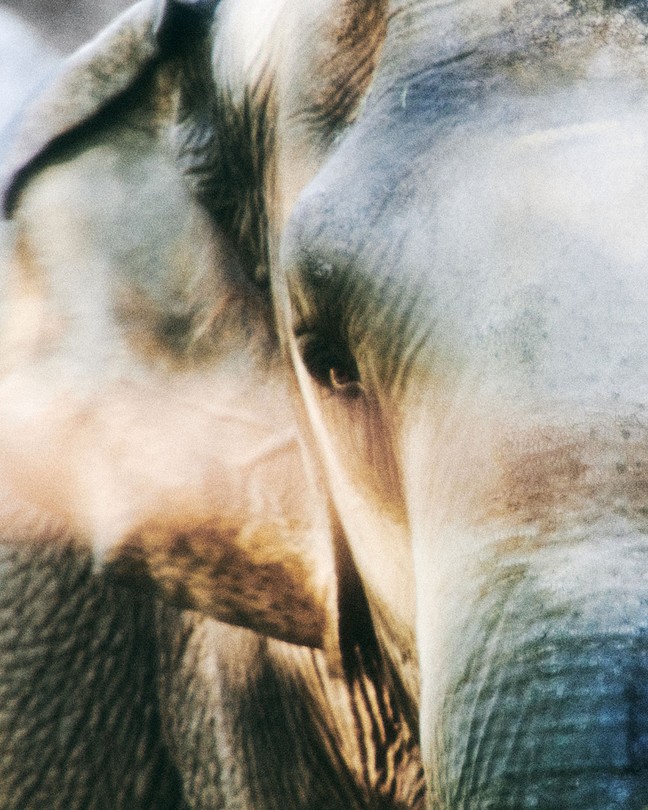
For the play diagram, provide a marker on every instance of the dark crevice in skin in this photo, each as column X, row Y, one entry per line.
column 360, row 649
column 182, row 22
column 358, row 641
column 386, row 723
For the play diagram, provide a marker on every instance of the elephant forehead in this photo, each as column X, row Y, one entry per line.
column 536, row 255
column 518, row 248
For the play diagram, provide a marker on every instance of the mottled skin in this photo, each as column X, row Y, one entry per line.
column 467, row 274
column 148, row 436
column 438, row 211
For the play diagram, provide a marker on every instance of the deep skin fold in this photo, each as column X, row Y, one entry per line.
column 436, row 377
column 499, row 347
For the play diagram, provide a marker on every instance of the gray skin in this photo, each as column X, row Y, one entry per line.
column 464, row 281
column 438, row 209
column 26, row 62
column 152, row 482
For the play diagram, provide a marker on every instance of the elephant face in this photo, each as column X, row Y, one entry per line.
column 462, row 283
column 437, row 212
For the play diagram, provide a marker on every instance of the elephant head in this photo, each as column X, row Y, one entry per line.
column 462, row 287
column 423, row 224
column 159, row 414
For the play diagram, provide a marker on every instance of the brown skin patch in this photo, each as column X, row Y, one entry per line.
column 242, row 581
column 540, row 480
column 354, row 47
column 545, row 474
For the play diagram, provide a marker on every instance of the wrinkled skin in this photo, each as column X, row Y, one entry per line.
column 467, row 273
column 438, row 210
column 148, row 435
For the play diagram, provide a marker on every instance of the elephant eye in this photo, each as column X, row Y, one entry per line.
column 330, row 363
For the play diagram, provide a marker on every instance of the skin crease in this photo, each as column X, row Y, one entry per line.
column 456, row 258
column 524, row 348
column 147, row 431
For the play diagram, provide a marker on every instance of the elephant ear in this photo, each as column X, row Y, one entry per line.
column 166, row 438
column 96, row 77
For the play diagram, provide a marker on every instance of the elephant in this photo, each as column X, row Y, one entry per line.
column 413, row 232
column 460, row 283
column 173, row 631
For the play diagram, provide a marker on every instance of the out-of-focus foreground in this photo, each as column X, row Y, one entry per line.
column 25, row 60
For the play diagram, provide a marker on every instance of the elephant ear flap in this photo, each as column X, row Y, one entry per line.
column 95, row 77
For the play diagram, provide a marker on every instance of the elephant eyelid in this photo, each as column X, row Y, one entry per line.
column 341, row 380
column 330, row 364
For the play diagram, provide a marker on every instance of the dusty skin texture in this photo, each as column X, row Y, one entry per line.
column 160, row 464
column 350, row 307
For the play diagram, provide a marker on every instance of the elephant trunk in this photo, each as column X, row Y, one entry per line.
column 546, row 704
column 566, row 725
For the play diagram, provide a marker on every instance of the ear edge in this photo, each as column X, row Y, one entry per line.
column 96, row 76
column 90, row 79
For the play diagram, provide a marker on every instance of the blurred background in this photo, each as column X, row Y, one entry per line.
column 65, row 24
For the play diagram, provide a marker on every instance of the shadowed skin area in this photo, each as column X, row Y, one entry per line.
column 150, row 457
column 437, row 212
